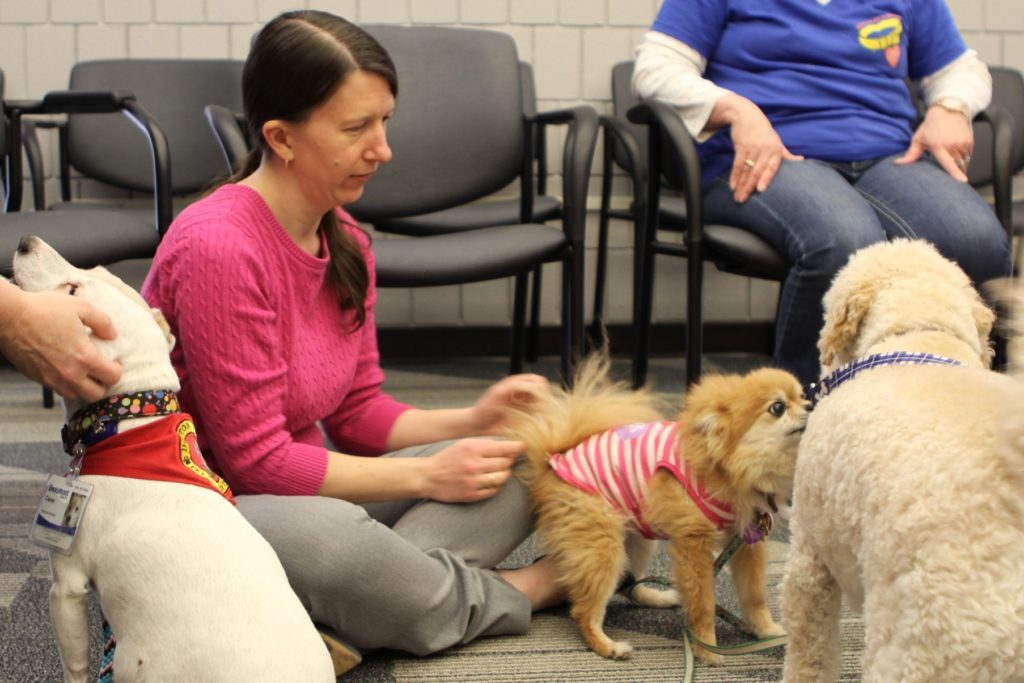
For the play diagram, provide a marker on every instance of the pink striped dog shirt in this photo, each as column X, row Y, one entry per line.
column 619, row 463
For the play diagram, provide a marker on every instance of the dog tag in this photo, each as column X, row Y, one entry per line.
column 60, row 513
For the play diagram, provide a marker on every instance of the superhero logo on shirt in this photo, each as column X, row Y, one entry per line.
column 882, row 34
column 193, row 459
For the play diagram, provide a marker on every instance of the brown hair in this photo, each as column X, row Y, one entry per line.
column 296, row 63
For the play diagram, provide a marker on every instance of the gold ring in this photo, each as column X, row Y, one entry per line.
column 750, row 163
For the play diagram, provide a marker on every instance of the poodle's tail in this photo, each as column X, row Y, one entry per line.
column 563, row 418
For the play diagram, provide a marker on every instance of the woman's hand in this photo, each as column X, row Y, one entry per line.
column 470, row 470
column 948, row 136
column 759, row 149
column 515, row 391
column 46, row 336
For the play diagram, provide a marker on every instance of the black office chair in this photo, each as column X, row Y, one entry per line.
column 996, row 161
column 660, row 148
column 486, row 214
column 459, row 135
column 85, row 239
column 101, row 148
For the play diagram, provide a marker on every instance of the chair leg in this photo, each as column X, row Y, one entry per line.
column 694, row 310
column 601, row 267
column 643, row 296
column 533, row 337
column 573, row 343
column 519, row 324
column 47, row 397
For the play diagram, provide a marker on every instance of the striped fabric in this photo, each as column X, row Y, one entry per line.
column 106, row 674
column 618, row 464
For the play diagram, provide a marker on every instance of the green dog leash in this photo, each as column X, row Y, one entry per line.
column 690, row 639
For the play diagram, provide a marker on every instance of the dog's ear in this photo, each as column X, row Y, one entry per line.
column 101, row 273
column 104, row 275
column 164, row 327
column 706, row 409
column 844, row 314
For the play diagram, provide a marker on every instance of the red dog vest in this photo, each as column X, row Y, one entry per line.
column 165, row 450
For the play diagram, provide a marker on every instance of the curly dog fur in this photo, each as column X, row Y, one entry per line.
column 907, row 499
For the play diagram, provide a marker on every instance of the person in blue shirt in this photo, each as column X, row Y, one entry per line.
column 805, row 130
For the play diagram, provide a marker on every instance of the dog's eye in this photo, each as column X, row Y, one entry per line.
column 778, row 409
column 72, row 289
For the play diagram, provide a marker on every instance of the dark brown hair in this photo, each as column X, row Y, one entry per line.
column 296, row 63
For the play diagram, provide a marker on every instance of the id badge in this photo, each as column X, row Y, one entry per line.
column 60, row 513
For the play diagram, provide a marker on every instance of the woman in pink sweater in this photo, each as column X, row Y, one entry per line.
column 269, row 288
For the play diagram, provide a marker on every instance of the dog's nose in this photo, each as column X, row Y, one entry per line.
column 26, row 244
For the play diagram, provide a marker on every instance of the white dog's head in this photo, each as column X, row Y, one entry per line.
column 904, row 296
column 143, row 340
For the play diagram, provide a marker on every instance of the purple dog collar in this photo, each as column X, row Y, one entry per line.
column 827, row 385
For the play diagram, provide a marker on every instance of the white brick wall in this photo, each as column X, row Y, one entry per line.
column 572, row 44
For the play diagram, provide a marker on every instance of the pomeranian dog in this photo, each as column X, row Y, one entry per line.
column 608, row 477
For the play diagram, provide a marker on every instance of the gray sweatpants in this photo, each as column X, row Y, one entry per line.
column 412, row 575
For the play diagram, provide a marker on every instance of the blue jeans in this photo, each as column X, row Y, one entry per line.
column 817, row 213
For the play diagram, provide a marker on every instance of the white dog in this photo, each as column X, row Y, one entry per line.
column 192, row 592
column 905, row 502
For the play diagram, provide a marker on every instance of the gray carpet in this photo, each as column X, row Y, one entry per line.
column 552, row 649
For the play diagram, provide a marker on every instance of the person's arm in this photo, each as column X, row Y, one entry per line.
column 940, row 60
column 224, row 309
column 465, row 471
column 46, row 335
column 671, row 71
column 953, row 96
column 369, row 422
column 485, row 418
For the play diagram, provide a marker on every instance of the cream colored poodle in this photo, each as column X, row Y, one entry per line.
column 908, row 496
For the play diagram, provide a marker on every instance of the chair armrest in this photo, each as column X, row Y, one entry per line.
column 616, row 132
column 83, row 101
column 12, row 173
column 98, row 102
column 671, row 154
column 1002, row 162
column 229, row 133
column 577, row 157
column 34, row 156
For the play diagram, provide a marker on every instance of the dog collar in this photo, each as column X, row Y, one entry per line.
column 819, row 390
column 97, row 421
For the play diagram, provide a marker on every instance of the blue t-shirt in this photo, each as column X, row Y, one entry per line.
column 828, row 75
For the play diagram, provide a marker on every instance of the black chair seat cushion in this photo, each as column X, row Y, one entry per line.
column 470, row 216
column 74, row 235
column 732, row 249
column 139, row 208
column 470, row 256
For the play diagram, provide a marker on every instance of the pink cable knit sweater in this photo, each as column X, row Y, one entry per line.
column 263, row 350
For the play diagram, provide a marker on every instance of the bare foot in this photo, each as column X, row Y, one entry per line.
column 538, row 582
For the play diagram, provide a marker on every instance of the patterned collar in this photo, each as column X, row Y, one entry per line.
column 97, row 421
column 825, row 386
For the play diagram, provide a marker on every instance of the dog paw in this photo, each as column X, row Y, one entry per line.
column 709, row 658
column 767, row 629
column 645, row 596
column 620, row 650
